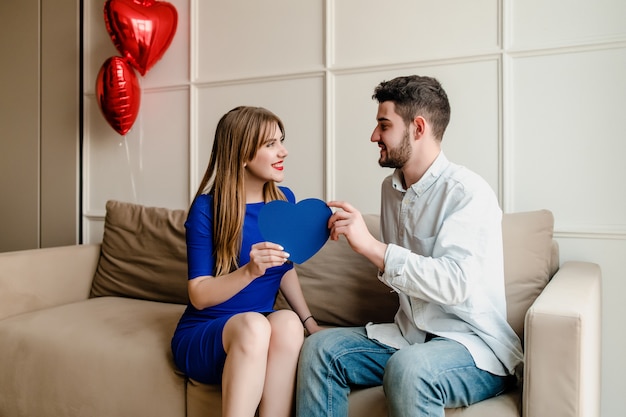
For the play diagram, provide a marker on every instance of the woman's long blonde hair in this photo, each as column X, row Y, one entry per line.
column 238, row 136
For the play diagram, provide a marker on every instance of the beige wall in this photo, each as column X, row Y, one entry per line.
column 39, row 123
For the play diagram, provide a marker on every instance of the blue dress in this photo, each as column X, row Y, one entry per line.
column 197, row 342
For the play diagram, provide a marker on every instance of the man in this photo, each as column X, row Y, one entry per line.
column 441, row 251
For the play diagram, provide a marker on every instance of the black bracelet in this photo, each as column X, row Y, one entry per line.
column 304, row 321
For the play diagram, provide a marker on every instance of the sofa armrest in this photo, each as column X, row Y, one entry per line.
column 39, row 278
column 563, row 345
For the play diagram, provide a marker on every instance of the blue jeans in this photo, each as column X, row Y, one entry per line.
column 419, row 381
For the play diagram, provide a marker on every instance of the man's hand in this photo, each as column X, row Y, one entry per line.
column 349, row 222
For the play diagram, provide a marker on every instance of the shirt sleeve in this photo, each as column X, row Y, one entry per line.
column 199, row 236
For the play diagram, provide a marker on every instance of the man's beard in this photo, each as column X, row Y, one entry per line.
column 398, row 156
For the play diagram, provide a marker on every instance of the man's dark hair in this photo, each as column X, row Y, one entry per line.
column 416, row 95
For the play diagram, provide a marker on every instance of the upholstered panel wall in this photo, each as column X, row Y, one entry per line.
column 568, row 154
column 368, row 32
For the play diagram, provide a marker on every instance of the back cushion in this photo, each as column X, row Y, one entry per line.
column 144, row 254
column 341, row 287
column 528, row 249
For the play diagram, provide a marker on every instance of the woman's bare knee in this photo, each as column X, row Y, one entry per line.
column 249, row 332
column 287, row 330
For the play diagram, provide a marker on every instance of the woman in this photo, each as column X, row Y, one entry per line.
column 230, row 333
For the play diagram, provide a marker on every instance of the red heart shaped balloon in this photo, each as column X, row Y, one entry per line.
column 141, row 30
column 118, row 94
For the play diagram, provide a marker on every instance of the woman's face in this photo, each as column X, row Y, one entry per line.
column 267, row 164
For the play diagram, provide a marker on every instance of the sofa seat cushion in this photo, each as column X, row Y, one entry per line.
column 206, row 400
column 203, row 400
column 371, row 402
column 106, row 356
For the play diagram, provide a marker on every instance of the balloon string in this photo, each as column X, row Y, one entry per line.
column 140, row 120
column 130, row 168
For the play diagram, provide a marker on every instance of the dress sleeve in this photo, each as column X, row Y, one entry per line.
column 199, row 235
column 289, row 194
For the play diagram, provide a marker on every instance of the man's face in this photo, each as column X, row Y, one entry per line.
column 392, row 136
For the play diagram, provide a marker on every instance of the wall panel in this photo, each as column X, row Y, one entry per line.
column 93, row 228
column 568, row 141
column 149, row 165
column 368, row 32
column 39, row 123
column 60, row 133
column 20, row 125
column 546, row 24
column 240, row 38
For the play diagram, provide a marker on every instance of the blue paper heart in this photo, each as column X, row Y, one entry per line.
column 302, row 229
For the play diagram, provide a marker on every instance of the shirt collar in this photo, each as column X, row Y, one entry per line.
column 430, row 176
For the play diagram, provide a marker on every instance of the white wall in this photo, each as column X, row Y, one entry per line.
column 537, row 92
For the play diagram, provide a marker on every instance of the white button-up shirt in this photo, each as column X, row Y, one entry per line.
column 444, row 259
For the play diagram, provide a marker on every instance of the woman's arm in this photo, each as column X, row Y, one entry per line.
column 206, row 291
column 291, row 289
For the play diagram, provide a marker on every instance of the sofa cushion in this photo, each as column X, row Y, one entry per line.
column 341, row 287
column 370, row 401
column 144, row 254
column 108, row 356
column 203, row 400
column 528, row 249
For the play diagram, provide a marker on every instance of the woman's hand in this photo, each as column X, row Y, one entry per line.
column 311, row 326
column 265, row 255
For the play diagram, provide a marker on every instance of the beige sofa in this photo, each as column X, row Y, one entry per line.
column 85, row 330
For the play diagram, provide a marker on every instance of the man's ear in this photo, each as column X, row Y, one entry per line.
column 420, row 126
